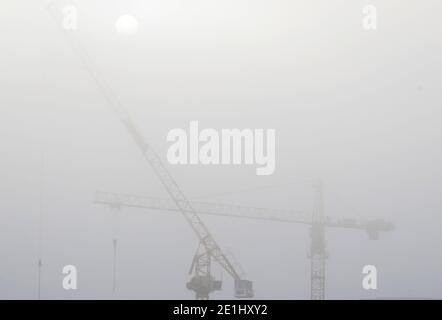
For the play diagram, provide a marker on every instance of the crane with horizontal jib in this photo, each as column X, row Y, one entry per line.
column 315, row 220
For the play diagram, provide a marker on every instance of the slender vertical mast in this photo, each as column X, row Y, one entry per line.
column 317, row 251
column 40, row 227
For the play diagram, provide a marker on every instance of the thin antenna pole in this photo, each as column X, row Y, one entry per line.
column 40, row 225
column 115, row 211
column 114, row 271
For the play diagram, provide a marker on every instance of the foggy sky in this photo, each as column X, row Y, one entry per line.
column 360, row 110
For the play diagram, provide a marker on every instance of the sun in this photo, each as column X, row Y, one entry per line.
column 126, row 25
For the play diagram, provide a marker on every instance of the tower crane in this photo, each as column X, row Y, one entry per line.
column 315, row 219
column 202, row 282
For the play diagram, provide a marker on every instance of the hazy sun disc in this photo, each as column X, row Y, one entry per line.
column 127, row 25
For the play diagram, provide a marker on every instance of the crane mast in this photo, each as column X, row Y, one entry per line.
column 206, row 240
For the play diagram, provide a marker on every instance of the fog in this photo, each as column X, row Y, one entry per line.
column 360, row 110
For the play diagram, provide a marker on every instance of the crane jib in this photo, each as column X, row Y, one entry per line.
column 153, row 159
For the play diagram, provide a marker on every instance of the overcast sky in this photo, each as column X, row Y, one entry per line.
column 359, row 109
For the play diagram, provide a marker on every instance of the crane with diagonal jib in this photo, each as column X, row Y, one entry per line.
column 209, row 249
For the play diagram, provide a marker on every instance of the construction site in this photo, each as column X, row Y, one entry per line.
column 106, row 201
column 202, row 282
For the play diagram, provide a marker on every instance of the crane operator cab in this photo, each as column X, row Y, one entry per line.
column 243, row 289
